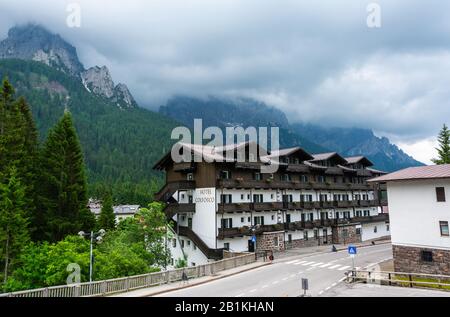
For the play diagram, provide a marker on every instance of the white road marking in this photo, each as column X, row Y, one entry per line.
column 275, row 282
column 310, row 269
column 265, row 286
column 292, row 275
column 290, row 262
column 344, row 268
column 328, row 288
column 285, row 279
column 334, row 266
column 321, row 292
column 301, row 262
column 317, row 264
column 333, row 285
column 325, row 265
column 308, row 263
column 252, row 291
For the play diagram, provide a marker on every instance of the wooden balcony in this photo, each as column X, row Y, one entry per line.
column 173, row 209
column 170, row 188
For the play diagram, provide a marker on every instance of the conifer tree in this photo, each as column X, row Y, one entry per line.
column 444, row 147
column 107, row 219
column 63, row 195
column 14, row 234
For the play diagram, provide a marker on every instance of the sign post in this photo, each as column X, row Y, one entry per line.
column 352, row 251
column 305, row 285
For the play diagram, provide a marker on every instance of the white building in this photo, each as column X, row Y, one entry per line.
column 419, row 208
column 120, row 212
column 311, row 200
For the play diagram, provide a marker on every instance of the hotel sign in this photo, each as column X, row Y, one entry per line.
column 205, row 195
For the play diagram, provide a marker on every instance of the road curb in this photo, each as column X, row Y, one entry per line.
column 307, row 255
column 203, row 282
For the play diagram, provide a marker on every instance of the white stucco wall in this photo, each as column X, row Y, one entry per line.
column 368, row 230
column 415, row 213
column 205, row 215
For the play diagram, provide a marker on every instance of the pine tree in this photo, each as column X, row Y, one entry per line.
column 18, row 143
column 14, row 234
column 63, row 196
column 107, row 219
column 444, row 147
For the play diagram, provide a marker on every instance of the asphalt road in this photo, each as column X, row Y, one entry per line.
column 283, row 277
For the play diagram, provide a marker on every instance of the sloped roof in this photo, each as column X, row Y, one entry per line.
column 359, row 159
column 416, row 173
column 290, row 151
column 328, row 156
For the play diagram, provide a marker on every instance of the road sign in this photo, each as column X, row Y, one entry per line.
column 253, row 239
column 352, row 250
column 305, row 284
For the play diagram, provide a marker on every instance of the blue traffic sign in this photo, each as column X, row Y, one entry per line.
column 253, row 238
column 351, row 249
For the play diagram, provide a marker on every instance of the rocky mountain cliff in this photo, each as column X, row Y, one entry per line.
column 34, row 42
column 236, row 112
column 246, row 112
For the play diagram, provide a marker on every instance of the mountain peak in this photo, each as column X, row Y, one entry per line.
column 35, row 42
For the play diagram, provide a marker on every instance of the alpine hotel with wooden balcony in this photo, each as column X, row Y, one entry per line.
column 311, row 200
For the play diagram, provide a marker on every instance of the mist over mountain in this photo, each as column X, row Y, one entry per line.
column 34, row 42
column 244, row 112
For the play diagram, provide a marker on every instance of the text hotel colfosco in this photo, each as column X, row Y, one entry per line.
column 205, row 196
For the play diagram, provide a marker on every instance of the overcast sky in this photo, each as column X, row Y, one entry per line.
column 319, row 63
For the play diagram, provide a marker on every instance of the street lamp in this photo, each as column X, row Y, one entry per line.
column 98, row 236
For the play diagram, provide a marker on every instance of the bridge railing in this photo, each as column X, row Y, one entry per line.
column 124, row 284
column 399, row 279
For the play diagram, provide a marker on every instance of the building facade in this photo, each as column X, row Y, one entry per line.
column 419, row 208
column 311, row 200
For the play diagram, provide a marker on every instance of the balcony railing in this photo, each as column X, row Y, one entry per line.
column 170, row 188
column 173, row 209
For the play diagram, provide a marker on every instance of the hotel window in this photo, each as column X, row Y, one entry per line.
column 290, row 238
column 226, row 246
column 366, row 213
column 195, row 247
column 304, row 178
column 249, row 219
column 248, row 196
column 321, row 179
column 358, row 231
column 225, row 175
column 257, row 176
column 375, row 229
column 174, row 243
column 258, row 198
column 225, row 199
column 323, row 197
column 171, row 261
column 272, row 217
column 227, row 223
column 296, row 161
column 440, row 194
column 189, row 242
column 192, row 263
column 183, row 218
column 242, row 219
column 316, row 234
column 286, row 178
column 305, row 235
column 444, row 228
column 259, row 220
column 387, row 228
column 336, row 197
column 190, row 176
column 426, row 256
column 310, row 216
column 182, row 243
column 345, row 197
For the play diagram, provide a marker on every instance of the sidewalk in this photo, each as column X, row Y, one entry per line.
column 283, row 255
column 151, row 291
column 371, row 290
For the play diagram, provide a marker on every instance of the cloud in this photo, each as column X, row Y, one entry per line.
column 317, row 61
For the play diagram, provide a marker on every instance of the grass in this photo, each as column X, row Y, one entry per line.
column 433, row 283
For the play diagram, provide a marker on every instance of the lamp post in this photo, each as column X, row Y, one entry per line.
column 98, row 236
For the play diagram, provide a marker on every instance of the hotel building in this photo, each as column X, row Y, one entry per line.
column 310, row 200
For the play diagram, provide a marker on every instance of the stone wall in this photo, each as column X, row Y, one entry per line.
column 311, row 242
column 345, row 234
column 409, row 260
column 270, row 241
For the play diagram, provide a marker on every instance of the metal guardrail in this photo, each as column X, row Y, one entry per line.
column 399, row 279
column 119, row 285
